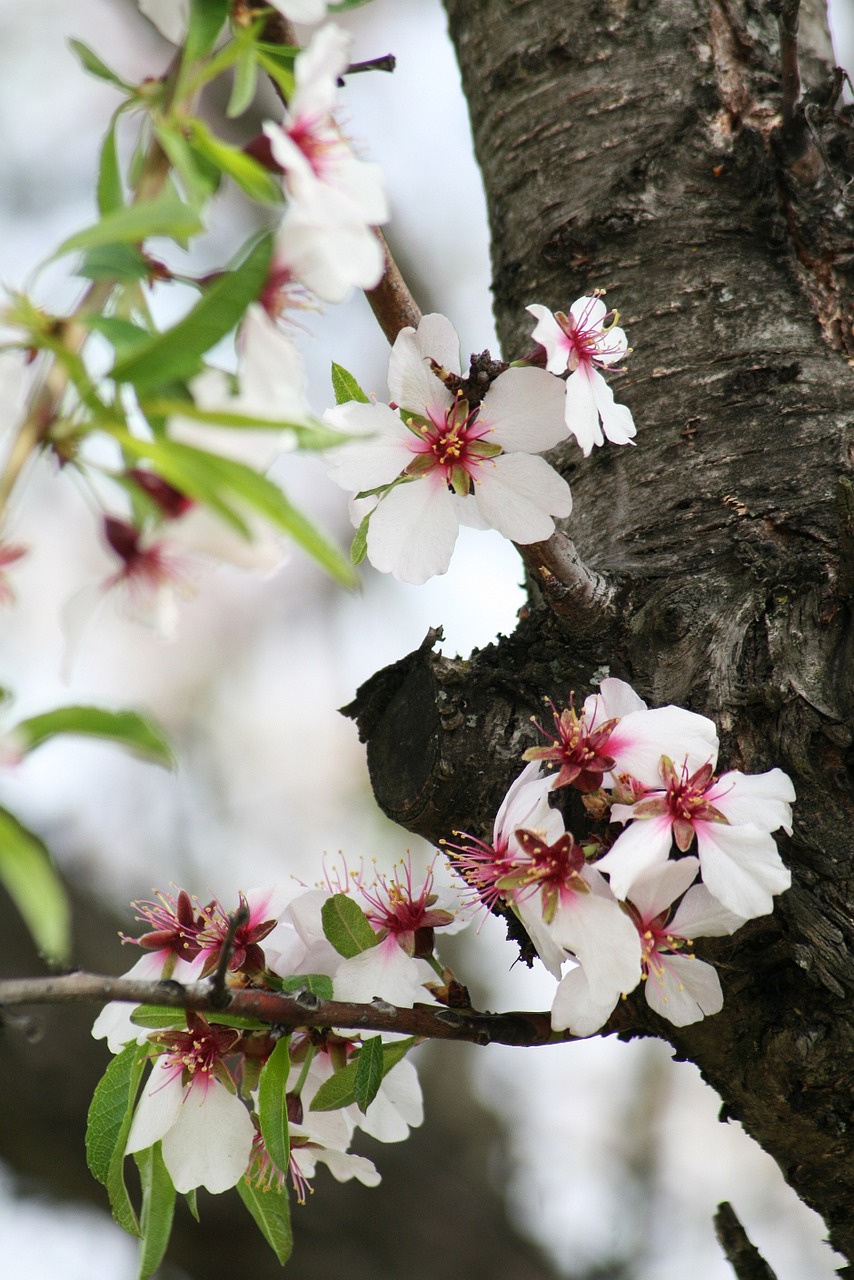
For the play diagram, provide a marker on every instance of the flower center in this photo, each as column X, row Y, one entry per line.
column 454, row 445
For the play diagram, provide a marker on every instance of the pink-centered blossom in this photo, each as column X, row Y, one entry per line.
column 309, row 144
column 583, row 342
column 617, row 734
column 433, row 459
column 189, row 1105
column 731, row 817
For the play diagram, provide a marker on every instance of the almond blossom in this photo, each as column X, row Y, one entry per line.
column 189, row 1105
column 309, row 145
column 731, row 817
column 583, row 342
column 678, row 986
column 616, row 733
column 435, row 457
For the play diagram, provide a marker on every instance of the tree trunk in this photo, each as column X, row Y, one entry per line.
column 639, row 147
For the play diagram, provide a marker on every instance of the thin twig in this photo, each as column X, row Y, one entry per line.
column 744, row 1258
column 236, row 920
column 787, row 21
column 303, row 1009
column 387, row 62
column 575, row 592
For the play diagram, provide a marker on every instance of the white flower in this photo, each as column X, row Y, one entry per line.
column 582, row 343
column 309, row 145
column 206, row 1130
column 301, row 10
column 731, row 817
column 324, row 246
column 443, row 462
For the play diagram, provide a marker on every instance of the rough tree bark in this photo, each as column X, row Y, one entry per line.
column 638, row 145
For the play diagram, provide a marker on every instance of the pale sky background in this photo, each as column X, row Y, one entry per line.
column 250, row 803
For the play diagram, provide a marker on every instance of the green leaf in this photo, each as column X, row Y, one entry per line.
column 206, row 20
column 346, row 926
column 317, row 983
column 126, row 728
column 175, row 355
column 197, row 177
column 165, row 215
column 110, row 191
column 97, row 67
column 369, row 1073
column 346, row 387
column 273, row 1104
column 108, row 1125
column 245, row 82
column 346, row 4
column 229, row 487
column 359, row 545
column 192, row 1199
column 33, row 884
column 258, row 183
column 157, row 1016
column 158, row 1208
column 121, row 262
column 124, row 336
column 278, row 62
column 313, row 436
column 272, row 1216
column 340, row 1090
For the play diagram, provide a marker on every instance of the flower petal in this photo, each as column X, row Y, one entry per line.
column 413, row 531
column 684, row 990
column 742, row 867
column 518, row 493
column 582, row 415
column 644, row 845
column 210, row 1143
column 411, row 381
column 525, row 408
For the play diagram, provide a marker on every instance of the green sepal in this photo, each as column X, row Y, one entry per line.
column 359, row 545
column 126, row 728
column 158, row 1208
column 192, row 1203
column 346, row 926
column 108, row 1125
column 340, row 1089
column 369, row 1073
column 345, row 386
column 34, row 885
column 273, row 1104
column 270, row 1209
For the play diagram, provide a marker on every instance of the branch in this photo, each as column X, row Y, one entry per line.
column 744, row 1258
column 300, row 1010
column 391, row 302
column 787, row 21
column 574, row 592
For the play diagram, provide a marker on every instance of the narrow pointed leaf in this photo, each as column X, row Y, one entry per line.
column 245, row 82
column 97, row 67
column 126, row 728
column 272, row 1216
column 258, row 183
column 165, row 215
column 340, row 1089
column 158, row 1208
column 273, row 1105
column 175, row 355
column 108, row 1126
column 345, row 386
column 206, row 22
column 110, row 191
column 33, row 884
column 346, row 926
column 318, row 984
column 369, row 1073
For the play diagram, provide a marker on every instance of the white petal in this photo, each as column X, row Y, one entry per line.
column 411, row 380
column 614, row 700
column 643, row 737
column 644, row 845
column 518, row 493
column 549, row 334
column 617, row 421
column 741, row 867
column 397, row 1107
column 685, row 990
column 700, row 915
column 762, row 799
column 575, row 1009
column 588, row 311
column 413, row 531
column 113, row 1023
column 372, row 461
column 660, row 886
column 604, row 940
column 170, row 17
column 301, row 10
column 158, row 1108
column 582, row 416
column 526, row 804
column 525, row 408
column 385, row 972
column 327, row 248
column 210, row 1143
column 343, row 1167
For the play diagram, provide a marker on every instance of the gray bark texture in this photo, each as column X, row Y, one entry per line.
column 637, row 146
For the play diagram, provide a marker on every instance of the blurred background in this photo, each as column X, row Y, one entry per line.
column 592, row 1160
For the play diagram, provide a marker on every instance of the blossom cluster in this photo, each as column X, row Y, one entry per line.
column 201, row 1097
column 449, row 450
column 695, row 857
